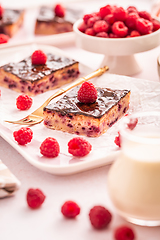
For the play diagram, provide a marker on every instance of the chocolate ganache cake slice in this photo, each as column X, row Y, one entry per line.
column 47, row 23
column 24, row 77
column 11, row 21
column 92, row 120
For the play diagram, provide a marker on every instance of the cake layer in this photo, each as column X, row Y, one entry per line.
column 48, row 23
column 11, row 21
column 92, row 120
column 34, row 79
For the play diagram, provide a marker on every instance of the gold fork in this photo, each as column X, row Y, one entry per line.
column 37, row 115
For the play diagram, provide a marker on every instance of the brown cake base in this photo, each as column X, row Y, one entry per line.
column 30, row 79
column 11, row 21
column 69, row 115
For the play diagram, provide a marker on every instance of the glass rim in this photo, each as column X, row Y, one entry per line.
column 127, row 133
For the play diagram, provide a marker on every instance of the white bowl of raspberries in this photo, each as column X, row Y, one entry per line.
column 118, row 33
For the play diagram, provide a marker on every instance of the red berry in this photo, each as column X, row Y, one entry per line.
column 59, row 10
column 111, row 35
column 79, row 147
column 124, row 233
column 131, row 20
column 144, row 26
column 132, row 123
column 90, row 31
column 102, row 34
column 82, row 27
column 101, row 26
column 1, row 11
column 86, row 17
column 38, row 57
column 50, row 147
column 110, row 19
column 156, row 25
column 132, row 9
column 105, row 10
column 24, row 102
column 117, row 140
column 35, row 198
column 99, row 217
column 145, row 15
column 23, row 136
column 87, row 93
column 70, row 209
column 134, row 33
column 92, row 20
column 119, row 29
column 120, row 14
column 3, row 38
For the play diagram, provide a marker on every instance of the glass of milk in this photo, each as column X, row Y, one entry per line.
column 134, row 178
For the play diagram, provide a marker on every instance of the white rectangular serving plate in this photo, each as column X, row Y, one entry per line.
column 145, row 95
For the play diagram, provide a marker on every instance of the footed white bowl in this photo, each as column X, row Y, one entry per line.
column 118, row 52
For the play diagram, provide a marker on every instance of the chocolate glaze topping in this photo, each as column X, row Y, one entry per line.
column 28, row 72
column 107, row 98
column 47, row 14
column 10, row 16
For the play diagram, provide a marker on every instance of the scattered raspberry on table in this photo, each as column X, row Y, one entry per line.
column 50, row 148
column 35, row 198
column 70, row 209
column 38, row 57
column 124, row 233
column 100, row 217
column 79, row 147
column 3, row 38
column 117, row 140
column 23, row 136
column 24, row 102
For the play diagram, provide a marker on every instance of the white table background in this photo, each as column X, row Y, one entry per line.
column 88, row 188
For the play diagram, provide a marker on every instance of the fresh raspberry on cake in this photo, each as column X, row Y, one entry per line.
column 23, row 136
column 50, row 148
column 120, row 14
column 59, row 10
column 87, row 93
column 79, row 147
column 1, row 11
column 24, row 102
column 124, row 233
column 3, row 38
column 101, row 26
column 38, row 57
column 35, row 198
column 144, row 26
column 104, row 11
column 70, row 209
column 100, row 217
column 119, row 29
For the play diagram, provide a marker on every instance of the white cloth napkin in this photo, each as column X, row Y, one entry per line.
column 8, row 182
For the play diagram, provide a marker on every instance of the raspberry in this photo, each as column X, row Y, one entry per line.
column 92, row 20
column 87, row 93
column 156, row 25
column 82, row 27
column 101, row 26
column 38, row 57
column 117, row 140
column 105, row 10
column 35, row 198
column 50, row 147
column 132, row 123
column 132, row 9
column 119, row 29
column 1, row 11
column 124, row 233
column 90, row 31
column 3, row 38
column 24, row 102
column 86, row 17
column 131, row 20
column 120, row 14
column 79, row 147
column 134, row 33
column 145, row 15
column 59, row 10
column 23, row 136
column 144, row 26
column 99, row 217
column 110, row 19
column 111, row 35
column 70, row 209
column 102, row 34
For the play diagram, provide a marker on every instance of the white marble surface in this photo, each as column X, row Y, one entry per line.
column 88, row 188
